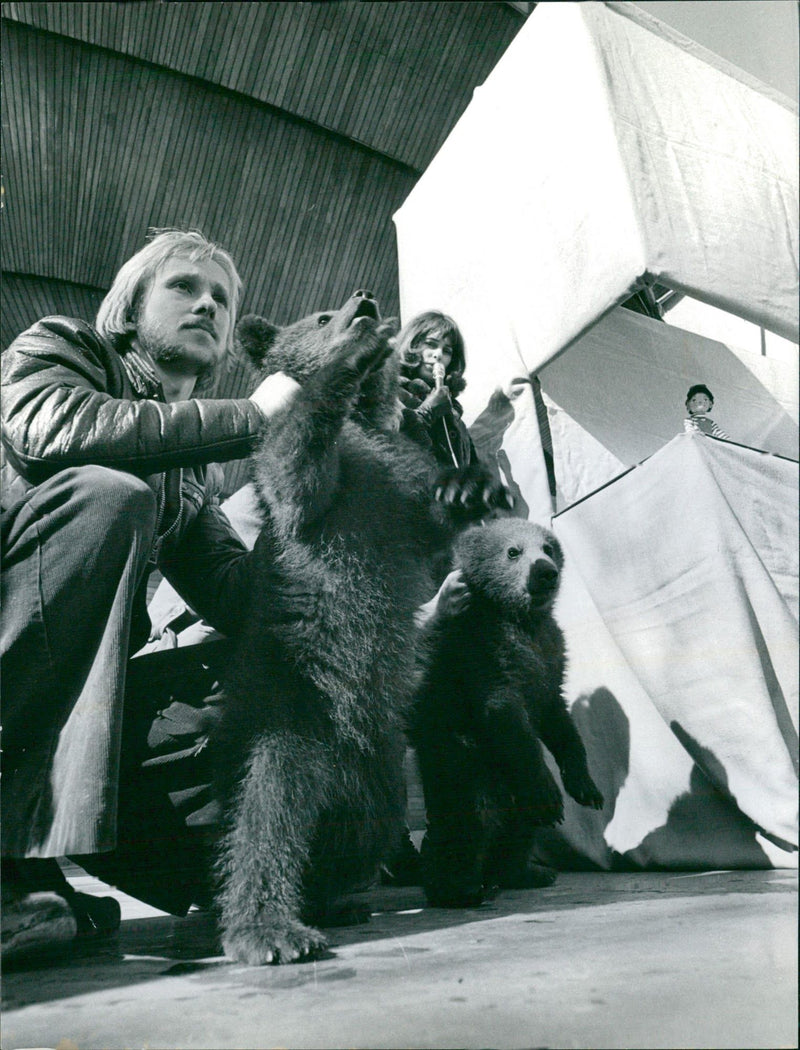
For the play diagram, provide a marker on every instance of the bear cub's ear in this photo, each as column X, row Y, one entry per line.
column 256, row 335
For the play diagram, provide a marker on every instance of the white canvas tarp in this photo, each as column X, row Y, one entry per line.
column 690, row 563
column 617, row 396
column 601, row 152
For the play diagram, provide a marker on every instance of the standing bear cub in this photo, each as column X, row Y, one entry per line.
column 310, row 748
column 491, row 696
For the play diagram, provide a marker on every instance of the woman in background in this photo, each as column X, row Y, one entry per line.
column 432, row 362
column 432, row 365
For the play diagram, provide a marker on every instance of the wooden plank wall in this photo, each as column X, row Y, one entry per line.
column 289, row 132
column 26, row 298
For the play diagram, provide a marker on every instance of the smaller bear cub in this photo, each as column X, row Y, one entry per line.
column 491, row 696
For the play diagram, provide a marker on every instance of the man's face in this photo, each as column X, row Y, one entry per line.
column 184, row 318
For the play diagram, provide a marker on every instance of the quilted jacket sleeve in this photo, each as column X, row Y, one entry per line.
column 66, row 401
column 211, row 569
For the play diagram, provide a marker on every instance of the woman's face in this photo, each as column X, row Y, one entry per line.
column 434, row 347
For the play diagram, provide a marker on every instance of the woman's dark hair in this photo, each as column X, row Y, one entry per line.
column 432, row 321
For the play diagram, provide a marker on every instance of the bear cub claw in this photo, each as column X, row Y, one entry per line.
column 284, row 942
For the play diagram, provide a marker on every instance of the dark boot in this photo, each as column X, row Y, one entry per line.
column 42, row 913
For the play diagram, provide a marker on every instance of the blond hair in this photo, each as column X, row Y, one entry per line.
column 116, row 318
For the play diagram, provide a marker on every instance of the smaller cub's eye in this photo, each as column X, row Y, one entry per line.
column 548, row 550
column 323, row 320
column 513, row 553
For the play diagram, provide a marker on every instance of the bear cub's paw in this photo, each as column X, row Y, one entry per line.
column 471, row 492
column 528, row 876
column 452, row 874
column 443, row 892
column 258, row 945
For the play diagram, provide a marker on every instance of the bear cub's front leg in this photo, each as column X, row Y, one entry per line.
column 296, row 467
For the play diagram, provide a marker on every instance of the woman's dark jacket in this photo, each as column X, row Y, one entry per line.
column 447, row 436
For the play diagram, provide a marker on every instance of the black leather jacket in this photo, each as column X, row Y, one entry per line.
column 70, row 399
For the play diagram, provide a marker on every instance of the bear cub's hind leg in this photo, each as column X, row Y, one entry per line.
column 454, row 845
column 265, row 852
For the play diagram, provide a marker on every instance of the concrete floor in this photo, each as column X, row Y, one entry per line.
column 597, row 960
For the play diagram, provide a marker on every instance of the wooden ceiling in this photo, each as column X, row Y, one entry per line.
column 393, row 76
column 289, row 132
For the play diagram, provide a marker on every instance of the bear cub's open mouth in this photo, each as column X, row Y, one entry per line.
column 366, row 308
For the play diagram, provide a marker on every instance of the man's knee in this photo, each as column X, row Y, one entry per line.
column 82, row 509
column 112, row 498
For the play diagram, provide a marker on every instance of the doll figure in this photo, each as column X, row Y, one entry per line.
column 699, row 402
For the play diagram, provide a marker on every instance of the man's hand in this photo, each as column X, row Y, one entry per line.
column 275, row 393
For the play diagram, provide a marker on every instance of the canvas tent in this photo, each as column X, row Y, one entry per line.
column 603, row 154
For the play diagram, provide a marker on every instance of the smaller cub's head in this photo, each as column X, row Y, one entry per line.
column 301, row 349
column 511, row 562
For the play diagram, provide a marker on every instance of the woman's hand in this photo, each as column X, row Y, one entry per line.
column 418, row 393
column 437, row 404
column 453, row 596
column 451, row 599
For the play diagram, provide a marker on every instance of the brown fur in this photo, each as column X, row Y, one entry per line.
column 310, row 750
column 491, row 696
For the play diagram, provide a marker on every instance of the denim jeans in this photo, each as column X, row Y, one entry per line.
column 75, row 556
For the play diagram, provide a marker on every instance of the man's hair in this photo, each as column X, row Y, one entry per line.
column 699, row 388
column 117, row 316
column 432, row 321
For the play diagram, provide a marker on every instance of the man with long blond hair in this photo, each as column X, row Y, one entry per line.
column 108, row 435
